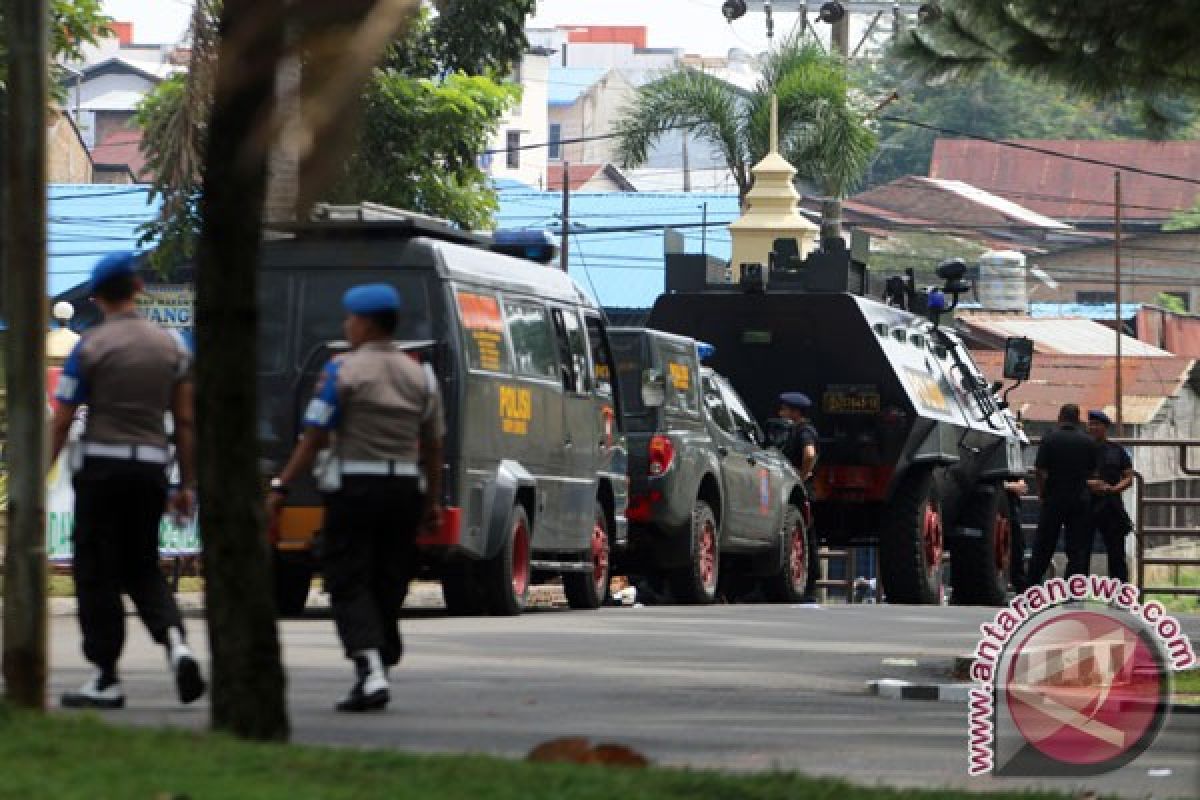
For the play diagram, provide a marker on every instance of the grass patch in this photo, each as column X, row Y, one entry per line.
column 1178, row 575
column 1186, row 687
column 80, row 757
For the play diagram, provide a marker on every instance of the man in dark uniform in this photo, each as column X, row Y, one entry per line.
column 1065, row 461
column 380, row 413
column 1114, row 474
column 129, row 373
column 800, row 447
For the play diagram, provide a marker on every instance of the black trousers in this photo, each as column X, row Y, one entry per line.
column 118, row 510
column 1113, row 523
column 1073, row 518
column 368, row 556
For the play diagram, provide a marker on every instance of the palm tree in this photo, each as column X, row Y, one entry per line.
column 822, row 132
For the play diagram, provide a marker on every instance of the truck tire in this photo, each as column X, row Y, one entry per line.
column 910, row 548
column 696, row 583
column 980, row 563
column 461, row 591
column 590, row 589
column 505, row 576
column 790, row 583
column 293, row 576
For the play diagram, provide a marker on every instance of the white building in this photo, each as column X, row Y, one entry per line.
column 526, row 124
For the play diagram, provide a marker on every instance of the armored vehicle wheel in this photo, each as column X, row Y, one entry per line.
column 980, row 564
column 461, row 591
column 293, row 575
column 790, row 583
column 505, row 576
column 910, row 547
column 590, row 589
column 696, row 583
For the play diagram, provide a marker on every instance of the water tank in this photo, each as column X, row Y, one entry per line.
column 1002, row 281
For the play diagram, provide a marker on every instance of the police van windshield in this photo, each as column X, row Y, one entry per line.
column 632, row 354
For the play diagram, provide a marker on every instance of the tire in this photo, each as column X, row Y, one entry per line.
column 910, row 548
column 461, row 591
column 505, row 577
column 590, row 589
column 293, row 576
column 696, row 583
column 790, row 583
column 980, row 564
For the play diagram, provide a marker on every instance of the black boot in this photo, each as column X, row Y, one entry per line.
column 102, row 690
column 370, row 691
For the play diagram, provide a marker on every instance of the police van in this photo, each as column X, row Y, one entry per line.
column 535, row 463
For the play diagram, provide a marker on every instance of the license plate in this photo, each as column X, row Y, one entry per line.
column 839, row 402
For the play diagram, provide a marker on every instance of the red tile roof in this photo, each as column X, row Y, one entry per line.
column 1090, row 382
column 1068, row 189
column 123, row 148
column 580, row 174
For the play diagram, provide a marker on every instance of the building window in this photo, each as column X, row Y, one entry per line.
column 554, row 152
column 512, row 156
column 1095, row 298
column 517, row 73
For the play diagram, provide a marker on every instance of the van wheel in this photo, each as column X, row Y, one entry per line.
column 910, row 550
column 293, row 576
column 505, row 576
column 696, row 583
column 980, row 564
column 461, row 591
column 789, row 584
column 590, row 589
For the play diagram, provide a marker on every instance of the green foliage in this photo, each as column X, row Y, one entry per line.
column 823, row 133
column 418, row 143
column 1170, row 302
column 73, row 24
column 1102, row 48
column 1185, row 220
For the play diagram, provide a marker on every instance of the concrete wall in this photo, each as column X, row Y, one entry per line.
column 530, row 120
column 67, row 160
column 1149, row 265
column 594, row 113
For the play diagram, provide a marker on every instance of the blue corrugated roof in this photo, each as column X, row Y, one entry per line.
column 1096, row 311
column 87, row 221
column 567, row 83
column 622, row 269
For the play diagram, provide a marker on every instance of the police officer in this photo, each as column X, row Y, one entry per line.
column 800, row 447
column 1114, row 474
column 1065, row 461
column 380, row 414
column 129, row 373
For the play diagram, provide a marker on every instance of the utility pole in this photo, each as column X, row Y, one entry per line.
column 24, row 275
column 565, row 248
column 1117, row 296
column 840, row 36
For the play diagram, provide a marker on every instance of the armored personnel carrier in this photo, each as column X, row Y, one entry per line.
column 914, row 442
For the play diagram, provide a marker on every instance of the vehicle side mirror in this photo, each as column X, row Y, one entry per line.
column 778, row 431
column 654, row 388
column 1018, row 358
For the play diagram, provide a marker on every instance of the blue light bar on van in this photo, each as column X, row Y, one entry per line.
column 534, row 245
column 705, row 350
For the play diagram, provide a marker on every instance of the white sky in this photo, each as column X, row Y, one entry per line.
column 695, row 25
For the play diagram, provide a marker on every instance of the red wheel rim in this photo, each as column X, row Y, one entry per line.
column 599, row 557
column 931, row 537
column 797, row 558
column 708, row 555
column 1002, row 538
column 520, row 558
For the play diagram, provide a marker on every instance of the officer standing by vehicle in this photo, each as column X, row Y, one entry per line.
column 1114, row 474
column 800, row 447
column 1065, row 461
column 380, row 413
column 129, row 373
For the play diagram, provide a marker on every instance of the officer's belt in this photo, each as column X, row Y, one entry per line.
column 397, row 469
column 145, row 453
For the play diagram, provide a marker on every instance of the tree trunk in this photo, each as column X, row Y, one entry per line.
column 831, row 219
column 248, row 683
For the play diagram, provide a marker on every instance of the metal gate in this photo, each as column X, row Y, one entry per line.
column 1175, row 531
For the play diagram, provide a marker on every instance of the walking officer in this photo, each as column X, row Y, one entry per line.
column 800, row 447
column 129, row 373
column 1114, row 474
column 1065, row 461
column 380, row 415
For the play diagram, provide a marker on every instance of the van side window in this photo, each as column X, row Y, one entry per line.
column 572, row 351
column 532, row 338
column 679, row 368
column 483, row 330
column 715, row 403
column 601, row 359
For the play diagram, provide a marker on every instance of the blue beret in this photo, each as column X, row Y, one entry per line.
column 371, row 298
column 1099, row 416
column 114, row 265
column 795, row 399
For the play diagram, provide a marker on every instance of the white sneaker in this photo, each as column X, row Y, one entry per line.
column 96, row 693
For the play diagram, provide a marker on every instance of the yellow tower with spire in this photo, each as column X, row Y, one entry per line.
column 770, row 210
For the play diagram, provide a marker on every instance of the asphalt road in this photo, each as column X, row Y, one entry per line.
column 742, row 687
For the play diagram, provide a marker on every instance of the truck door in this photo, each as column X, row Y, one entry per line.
column 738, row 468
column 580, row 438
column 767, row 507
column 605, row 402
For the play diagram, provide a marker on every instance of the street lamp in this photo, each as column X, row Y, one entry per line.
column 733, row 9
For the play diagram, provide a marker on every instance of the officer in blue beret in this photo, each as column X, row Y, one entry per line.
column 800, row 447
column 1114, row 474
column 377, row 418
column 129, row 373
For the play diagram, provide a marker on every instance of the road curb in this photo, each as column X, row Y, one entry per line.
column 894, row 689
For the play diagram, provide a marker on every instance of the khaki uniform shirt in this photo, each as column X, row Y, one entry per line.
column 125, row 370
column 379, row 402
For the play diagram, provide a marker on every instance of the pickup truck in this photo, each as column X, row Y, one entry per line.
column 711, row 508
